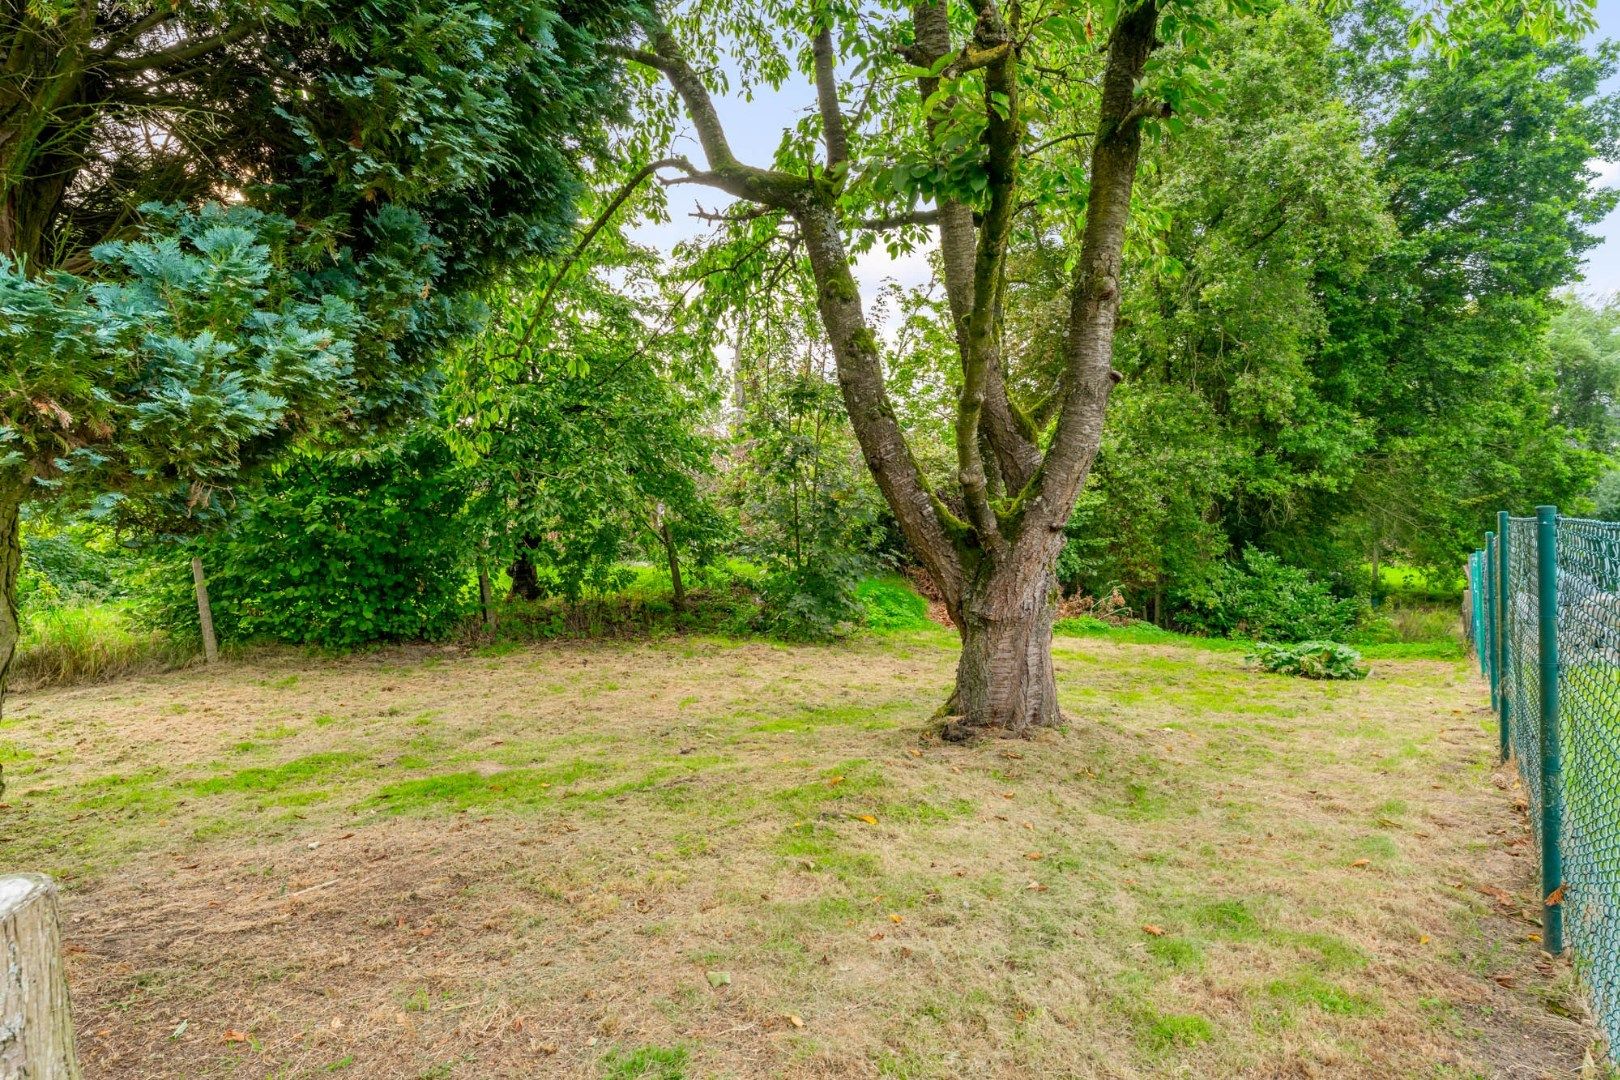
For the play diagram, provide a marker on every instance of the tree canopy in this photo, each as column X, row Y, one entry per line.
column 223, row 227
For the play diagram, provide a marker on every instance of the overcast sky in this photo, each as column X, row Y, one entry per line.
column 1603, row 262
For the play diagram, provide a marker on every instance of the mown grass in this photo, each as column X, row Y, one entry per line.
column 532, row 864
column 1430, row 642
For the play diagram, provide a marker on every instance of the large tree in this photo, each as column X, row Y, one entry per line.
column 981, row 122
column 1440, row 347
column 226, row 225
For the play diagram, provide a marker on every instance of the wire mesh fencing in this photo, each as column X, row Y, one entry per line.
column 1544, row 620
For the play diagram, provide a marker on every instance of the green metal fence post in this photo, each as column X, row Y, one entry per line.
column 1488, row 650
column 1504, row 647
column 1552, row 765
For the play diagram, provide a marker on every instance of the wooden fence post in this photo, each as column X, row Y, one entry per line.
column 205, row 612
column 36, row 1026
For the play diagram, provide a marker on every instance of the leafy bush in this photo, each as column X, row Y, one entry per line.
column 67, row 565
column 336, row 550
column 809, row 603
column 1310, row 660
column 1263, row 598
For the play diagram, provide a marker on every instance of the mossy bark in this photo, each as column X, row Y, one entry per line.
column 10, row 566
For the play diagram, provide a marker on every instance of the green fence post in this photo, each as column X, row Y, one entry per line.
column 1478, row 587
column 1504, row 622
column 1552, row 764
column 1488, row 650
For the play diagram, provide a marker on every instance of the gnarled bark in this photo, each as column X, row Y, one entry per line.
column 1004, row 677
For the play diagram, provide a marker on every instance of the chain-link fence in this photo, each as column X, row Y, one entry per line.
column 1544, row 618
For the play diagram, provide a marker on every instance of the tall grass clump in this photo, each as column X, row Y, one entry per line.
column 80, row 643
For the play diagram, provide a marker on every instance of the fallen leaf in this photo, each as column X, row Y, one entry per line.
column 1555, row 897
column 1423, row 939
column 1027, row 825
column 1035, row 886
column 1034, row 856
column 914, row 752
column 868, row 818
column 796, row 1021
column 876, row 935
column 835, row 781
column 717, row 979
column 180, row 1029
column 232, row 1035
column 1150, row 928
column 1362, row 862
column 1532, row 937
column 896, row 918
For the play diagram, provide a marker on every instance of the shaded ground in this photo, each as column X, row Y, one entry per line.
column 702, row 858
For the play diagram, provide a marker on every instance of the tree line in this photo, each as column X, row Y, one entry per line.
column 345, row 301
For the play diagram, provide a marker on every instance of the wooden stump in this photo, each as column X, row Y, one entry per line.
column 36, row 1026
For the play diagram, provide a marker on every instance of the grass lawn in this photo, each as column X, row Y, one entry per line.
column 703, row 858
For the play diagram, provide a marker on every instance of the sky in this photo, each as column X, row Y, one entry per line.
column 1603, row 262
column 754, row 128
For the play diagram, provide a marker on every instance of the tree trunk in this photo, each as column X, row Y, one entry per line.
column 525, row 579
column 36, row 1026
column 677, row 589
column 1004, row 677
column 10, row 565
column 486, row 598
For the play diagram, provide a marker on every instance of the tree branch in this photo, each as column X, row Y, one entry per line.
column 1016, row 457
column 768, row 186
column 1088, row 374
column 832, row 116
column 898, row 220
column 177, row 54
column 117, row 39
column 1056, row 141
column 619, row 199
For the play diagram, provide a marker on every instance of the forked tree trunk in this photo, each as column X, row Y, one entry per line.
column 995, row 567
column 36, row 1025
